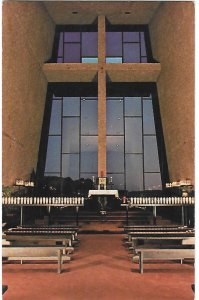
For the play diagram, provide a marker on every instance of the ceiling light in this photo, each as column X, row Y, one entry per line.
column 74, row 12
column 127, row 12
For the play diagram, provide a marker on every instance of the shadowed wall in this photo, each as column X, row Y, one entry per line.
column 172, row 39
column 28, row 34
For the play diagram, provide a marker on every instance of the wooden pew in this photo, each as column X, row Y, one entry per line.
column 157, row 229
column 163, row 242
column 42, row 240
column 35, row 253
column 161, row 234
column 162, row 254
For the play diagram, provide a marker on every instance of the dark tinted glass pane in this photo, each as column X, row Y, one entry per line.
column 115, row 123
column 131, row 37
column 72, row 36
column 114, row 60
column 71, row 106
column 72, row 53
column 144, row 59
column 133, row 132
column 89, row 124
column 115, row 154
column 114, row 44
column 143, row 46
column 148, row 117
column 151, row 160
column 89, row 44
column 55, row 120
column 70, row 165
column 133, row 106
column 153, row 181
column 88, row 175
column 60, row 48
column 89, row 154
column 70, row 135
column 134, row 172
column 131, row 53
column 60, row 60
column 118, row 181
column 53, row 154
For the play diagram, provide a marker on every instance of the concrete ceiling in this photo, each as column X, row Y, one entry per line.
column 86, row 12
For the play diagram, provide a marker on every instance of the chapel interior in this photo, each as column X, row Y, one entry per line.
column 98, row 187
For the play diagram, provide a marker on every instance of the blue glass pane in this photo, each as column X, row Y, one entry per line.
column 118, row 181
column 90, row 60
column 51, row 174
column 131, row 37
column 114, row 44
column 55, row 119
column 133, row 135
column 115, row 154
column 70, row 135
column 114, row 60
column 89, row 154
column 153, row 181
column 133, row 106
column 89, row 125
column 114, row 115
column 151, row 159
column 72, row 37
column 53, row 154
column 148, row 117
column 89, row 44
column 60, row 48
column 72, row 52
column 134, row 172
column 131, row 53
column 143, row 46
column 70, row 165
column 144, row 59
column 71, row 106
column 56, row 98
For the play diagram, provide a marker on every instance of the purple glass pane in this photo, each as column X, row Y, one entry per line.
column 71, row 36
column 60, row 48
column 60, row 60
column 144, row 59
column 132, row 53
column 131, row 37
column 113, row 44
column 89, row 43
column 72, row 53
column 143, row 45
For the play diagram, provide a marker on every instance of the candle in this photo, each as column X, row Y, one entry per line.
column 111, row 179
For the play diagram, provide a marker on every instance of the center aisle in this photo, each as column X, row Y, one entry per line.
column 101, row 270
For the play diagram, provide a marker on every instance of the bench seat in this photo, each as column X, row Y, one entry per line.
column 162, row 254
column 36, row 253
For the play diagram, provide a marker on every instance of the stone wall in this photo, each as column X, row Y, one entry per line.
column 172, row 39
column 28, row 33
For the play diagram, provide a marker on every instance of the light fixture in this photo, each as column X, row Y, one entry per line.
column 74, row 12
column 127, row 12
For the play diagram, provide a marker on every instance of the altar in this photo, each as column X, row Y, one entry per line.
column 103, row 193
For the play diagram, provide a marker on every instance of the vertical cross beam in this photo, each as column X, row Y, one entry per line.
column 101, row 39
column 101, row 98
